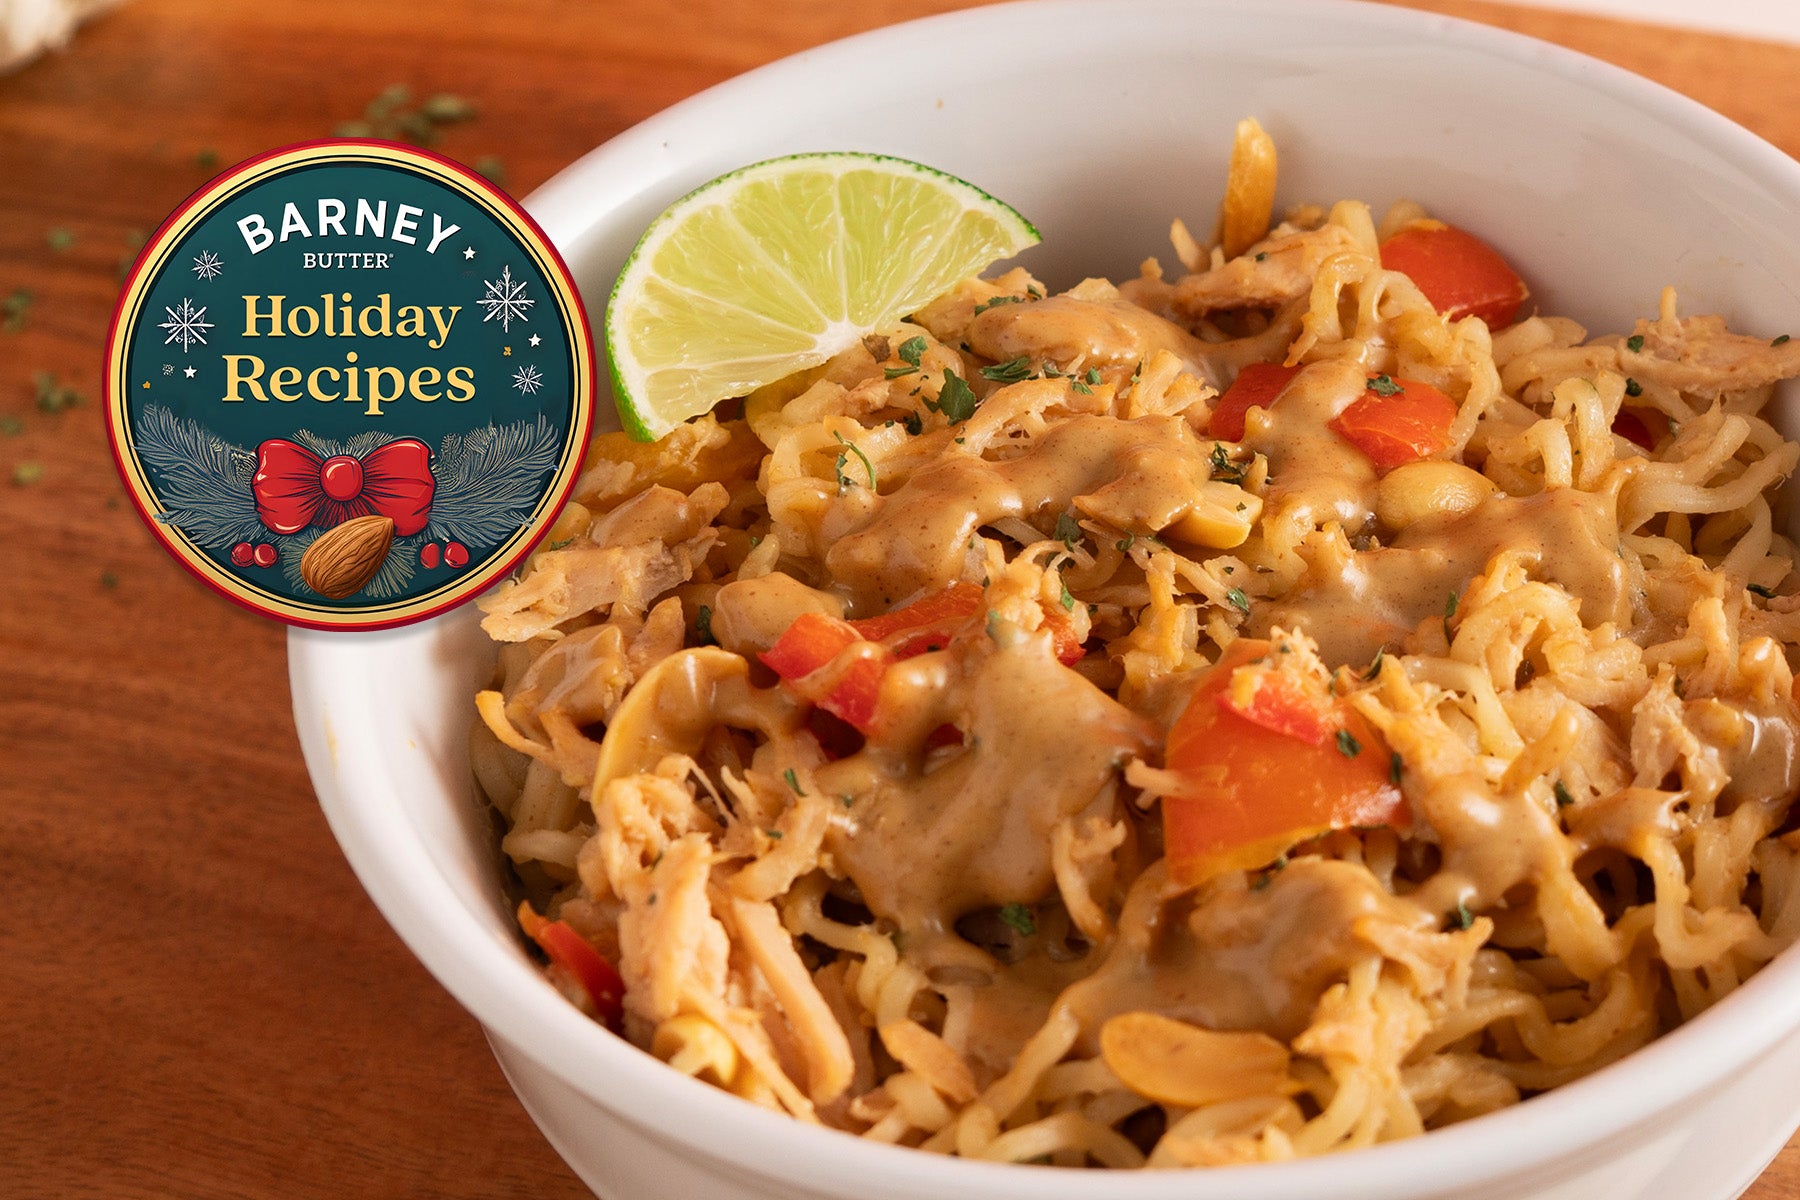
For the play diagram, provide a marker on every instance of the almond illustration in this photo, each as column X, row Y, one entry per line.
column 347, row 556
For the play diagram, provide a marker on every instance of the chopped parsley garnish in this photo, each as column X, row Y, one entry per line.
column 1067, row 598
column 1347, row 744
column 1068, row 530
column 1635, row 342
column 28, row 473
column 59, row 239
column 207, row 158
column 1780, row 341
column 1449, row 611
column 853, row 448
column 1081, row 387
column 956, row 400
column 1012, row 370
column 1375, row 664
column 847, row 800
column 1093, row 376
column 993, row 625
column 911, row 350
column 1019, row 917
column 558, row 545
column 1383, row 385
column 1462, row 917
column 897, row 372
column 1223, row 468
column 774, row 833
column 915, row 425
column 12, row 426
column 109, row 579
column 996, row 302
column 1766, row 593
column 1633, row 388
column 703, row 627
column 1238, row 600
column 793, row 781
column 1561, row 791
column 1267, row 876
column 1394, row 768
column 1123, row 545
column 1261, row 254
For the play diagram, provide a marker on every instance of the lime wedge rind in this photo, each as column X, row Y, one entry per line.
column 779, row 265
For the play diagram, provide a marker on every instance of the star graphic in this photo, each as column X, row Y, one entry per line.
column 190, row 372
column 468, row 252
column 506, row 351
column 535, row 339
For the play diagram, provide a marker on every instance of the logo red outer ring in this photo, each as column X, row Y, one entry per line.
column 585, row 418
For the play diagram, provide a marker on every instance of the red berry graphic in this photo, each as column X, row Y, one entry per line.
column 456, row 555
column 240, row 554
column 428, row 556
column 264, row 555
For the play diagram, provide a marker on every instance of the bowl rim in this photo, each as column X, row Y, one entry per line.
column 338, row 723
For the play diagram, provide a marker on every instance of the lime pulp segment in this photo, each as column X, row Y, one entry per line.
column 777, row 266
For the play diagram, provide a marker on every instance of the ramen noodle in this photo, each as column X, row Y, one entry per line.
column 979, row 743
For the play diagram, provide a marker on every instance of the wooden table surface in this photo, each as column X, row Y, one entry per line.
column 197, row 998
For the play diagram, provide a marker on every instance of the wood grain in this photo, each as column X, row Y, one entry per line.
column 199, row 1000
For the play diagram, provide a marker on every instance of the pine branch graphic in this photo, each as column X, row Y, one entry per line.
column 490, row 480
column 202, row 480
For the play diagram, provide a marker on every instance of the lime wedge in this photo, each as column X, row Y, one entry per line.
column 780, row 265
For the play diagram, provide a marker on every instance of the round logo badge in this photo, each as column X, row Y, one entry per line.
column 349, row 384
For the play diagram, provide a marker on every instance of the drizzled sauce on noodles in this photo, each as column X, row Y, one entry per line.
column 919, row 929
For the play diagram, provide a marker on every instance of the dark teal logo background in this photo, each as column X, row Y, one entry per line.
column 336, row 339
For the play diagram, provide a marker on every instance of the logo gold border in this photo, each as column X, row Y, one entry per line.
column 472, row 187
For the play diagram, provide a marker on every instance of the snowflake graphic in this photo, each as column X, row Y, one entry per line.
column 208, row 265
column 505, row 300
column 186, row 324
column 528, row 380
column 168, row 368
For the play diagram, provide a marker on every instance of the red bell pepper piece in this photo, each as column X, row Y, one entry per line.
column 1256, row 386
column 1397, row 421
column 952, row 606
column 571, row 953
column 1256, row 781
column 1459, row 273
column 1632, row 428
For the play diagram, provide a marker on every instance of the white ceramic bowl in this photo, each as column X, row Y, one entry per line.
column 1100, row 121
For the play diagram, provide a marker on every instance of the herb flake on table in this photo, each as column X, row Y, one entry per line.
column 15, row 309
column 54, row 397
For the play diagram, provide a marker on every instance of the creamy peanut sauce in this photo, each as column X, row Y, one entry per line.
column 991, row 751
column 927, row 841
column 929, row 836
column 1088, row 332
column 1353, row 603
column 1144, row 475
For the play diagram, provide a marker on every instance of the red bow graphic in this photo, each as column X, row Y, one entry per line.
column 295, row 488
